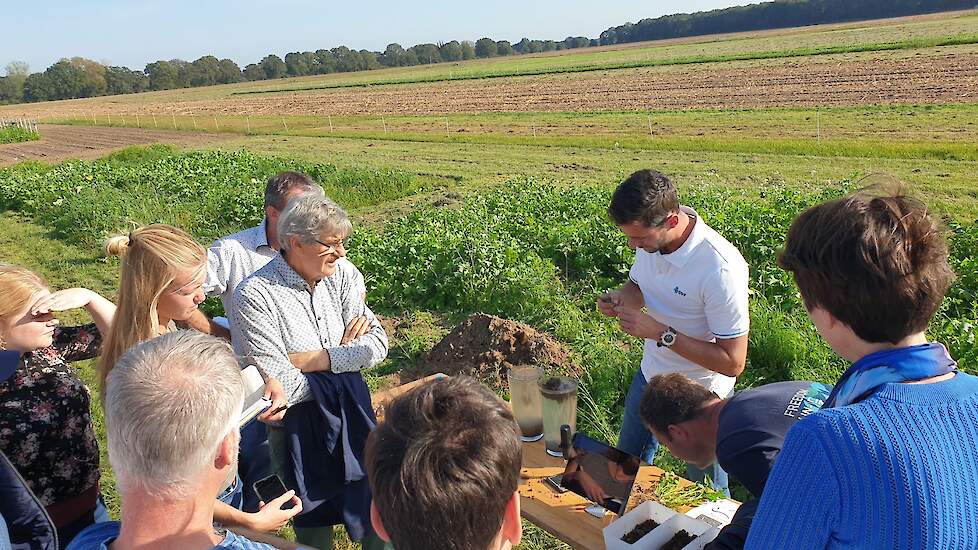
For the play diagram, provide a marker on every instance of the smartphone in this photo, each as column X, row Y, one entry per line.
column 555, row 483
column 270, row 488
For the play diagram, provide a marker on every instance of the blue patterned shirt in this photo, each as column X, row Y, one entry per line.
column 276, row 313
column 101, row 535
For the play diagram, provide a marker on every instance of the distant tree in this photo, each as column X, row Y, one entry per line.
column 523, row 46
column 468, row 50
column 12, row 86
column 325, row 62
column 206, row 71
column 485, row 47
column 299, row 63
column 549, row 45
column 253, row 72
column 393, row 56
column 185, row 72
column 411, row 58
column 18, row 68
column 38, row 87
column 95, row 84
column 368, row 60
column 228, row 72
column 503, row 47
column 346, row 59
column 123, row 80
column 65, row 80
column 5, row 94
column 576, row 42
column 427, row 53
column 451, row 51
column 273, row 66
column 162, row 75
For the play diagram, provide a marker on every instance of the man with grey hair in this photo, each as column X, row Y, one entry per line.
column 303, row 319
column 231, row 260
column 172, row 410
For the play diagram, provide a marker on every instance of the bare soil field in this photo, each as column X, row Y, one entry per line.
column 59, row 143
column 796, row 83
column 937, row 76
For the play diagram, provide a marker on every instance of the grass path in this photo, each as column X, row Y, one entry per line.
column 947, row 185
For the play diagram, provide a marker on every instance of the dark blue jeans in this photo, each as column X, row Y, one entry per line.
column 254, row 462
column 635, row 439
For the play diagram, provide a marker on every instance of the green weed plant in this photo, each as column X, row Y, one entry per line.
column 14, row 134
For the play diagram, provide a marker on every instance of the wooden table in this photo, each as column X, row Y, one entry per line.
column 560, row 514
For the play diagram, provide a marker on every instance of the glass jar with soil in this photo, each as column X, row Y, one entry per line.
column 524, row 396
column 559, row 407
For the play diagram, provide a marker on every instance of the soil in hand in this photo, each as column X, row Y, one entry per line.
column 639, row 531
column 485, row 347
column 678, row 541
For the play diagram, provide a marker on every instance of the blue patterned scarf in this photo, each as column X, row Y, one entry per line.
column 893, row 365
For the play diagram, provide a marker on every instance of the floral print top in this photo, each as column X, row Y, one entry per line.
column 45, row 421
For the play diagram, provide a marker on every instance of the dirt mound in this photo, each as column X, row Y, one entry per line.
column 486, row 347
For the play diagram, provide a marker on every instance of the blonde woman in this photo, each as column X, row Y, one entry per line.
column 45, row 421
column 161, row 284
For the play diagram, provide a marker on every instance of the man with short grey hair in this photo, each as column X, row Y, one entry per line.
column 172, row 409
column 302, row 318
column 231, row 260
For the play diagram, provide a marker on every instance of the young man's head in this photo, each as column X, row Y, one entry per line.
column 869, row 268
column 645, row 207
column 172, row 410
column 673, row 409
column 444, row 467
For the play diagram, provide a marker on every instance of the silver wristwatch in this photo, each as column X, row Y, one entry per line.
column 668, row 338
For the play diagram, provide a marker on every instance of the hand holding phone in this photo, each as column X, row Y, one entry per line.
column 271, row 488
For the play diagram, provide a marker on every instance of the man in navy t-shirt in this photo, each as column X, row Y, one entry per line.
column 743, row 433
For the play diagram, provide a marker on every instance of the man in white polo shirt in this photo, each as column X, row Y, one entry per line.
column 692, row 284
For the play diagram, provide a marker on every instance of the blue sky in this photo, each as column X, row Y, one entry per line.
column 134, row 33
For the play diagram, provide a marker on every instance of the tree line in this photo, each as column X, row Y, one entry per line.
column 773, row 15
column 79, row 77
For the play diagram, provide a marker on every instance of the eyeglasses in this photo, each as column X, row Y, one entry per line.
column 331, row 248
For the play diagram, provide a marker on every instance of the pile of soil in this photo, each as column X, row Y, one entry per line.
column 485, row 347
column 639, row 531
column 677, row 542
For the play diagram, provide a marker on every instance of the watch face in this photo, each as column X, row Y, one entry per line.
column 668, row 338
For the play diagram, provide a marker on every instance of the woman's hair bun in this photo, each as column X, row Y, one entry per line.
column 116, row 246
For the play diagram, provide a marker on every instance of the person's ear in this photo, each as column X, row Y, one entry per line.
column 227, row 452
column 672, row 221
column 377, row 523
column 676, row 431
column 295, row 242
column 512, row 524
column 272, row 213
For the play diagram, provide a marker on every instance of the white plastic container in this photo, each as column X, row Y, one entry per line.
column 704, row 539
column 648, row 510
column 675, row 524
column 718, row 513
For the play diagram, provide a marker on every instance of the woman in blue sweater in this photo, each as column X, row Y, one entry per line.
column 891, row 461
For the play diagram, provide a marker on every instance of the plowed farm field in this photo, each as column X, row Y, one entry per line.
column 932, row 76
column 59, row 143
